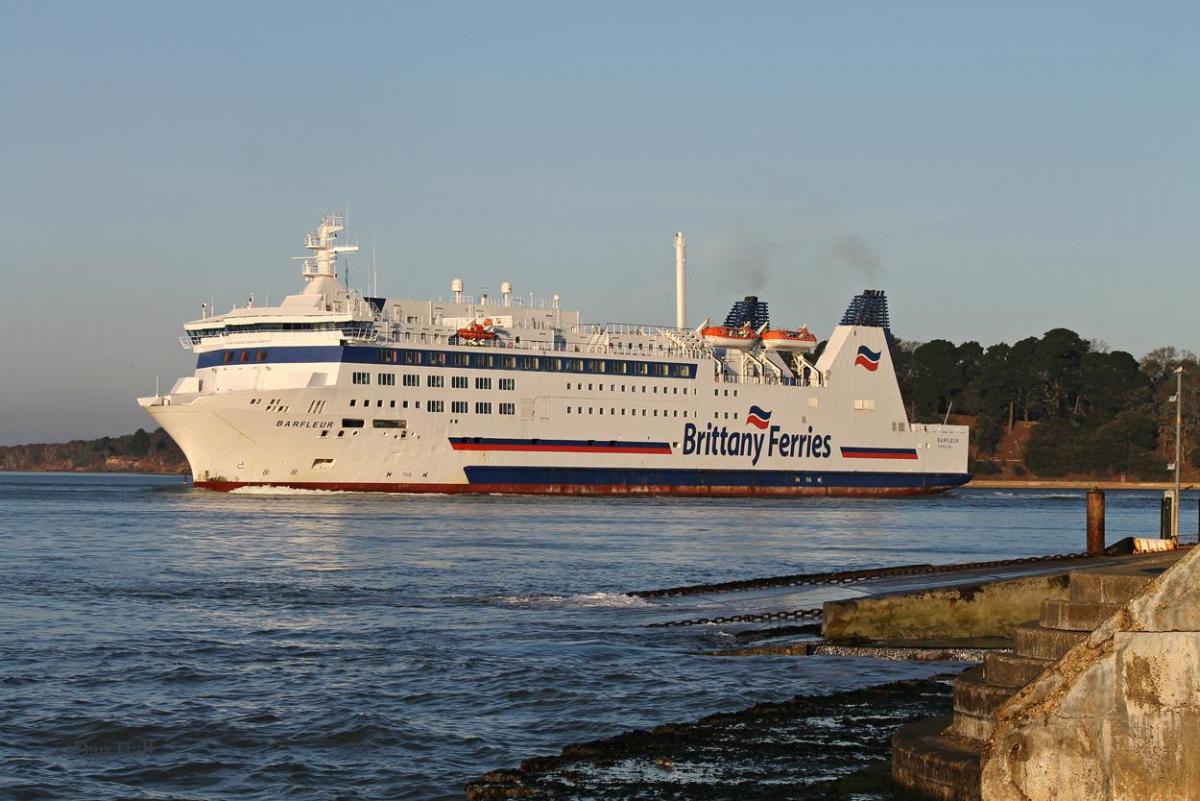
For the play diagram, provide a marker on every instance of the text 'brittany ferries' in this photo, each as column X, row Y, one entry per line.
column 720, row 441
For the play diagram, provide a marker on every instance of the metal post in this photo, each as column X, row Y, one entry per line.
column 1178, row 454
column 1095, row 522
column 1164, row 526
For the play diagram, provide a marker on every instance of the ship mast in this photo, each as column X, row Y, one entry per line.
column 321, row 268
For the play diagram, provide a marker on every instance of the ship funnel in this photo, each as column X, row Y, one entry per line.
column 680, row 270
column 456, row 286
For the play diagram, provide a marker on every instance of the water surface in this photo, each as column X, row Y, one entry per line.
column 162, row 642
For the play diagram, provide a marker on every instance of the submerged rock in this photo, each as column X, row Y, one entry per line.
column 811, row 747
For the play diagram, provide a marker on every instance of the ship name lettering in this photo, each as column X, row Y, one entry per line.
column 720, row 441
column 304, row 424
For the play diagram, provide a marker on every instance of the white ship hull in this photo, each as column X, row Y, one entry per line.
column 329, row 392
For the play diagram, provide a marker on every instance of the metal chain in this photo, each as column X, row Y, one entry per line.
column 760, row 617
column 846, row 576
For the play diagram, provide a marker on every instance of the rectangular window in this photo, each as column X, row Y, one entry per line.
column 483, row 383
column 360, row 378
column 458, row 407
column 508, row 383
column 458, row 381
column 386, row 379
column 437, row 406
column 412, row 380
column 350, row 422
column 511, row 408
column 436, row 380
column 389, row 424
column 483, row 408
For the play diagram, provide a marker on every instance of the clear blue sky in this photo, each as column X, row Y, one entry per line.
column 998, row 168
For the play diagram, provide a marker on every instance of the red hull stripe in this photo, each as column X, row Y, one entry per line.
column 879, row 453
column 557, row 445
column 590, row 489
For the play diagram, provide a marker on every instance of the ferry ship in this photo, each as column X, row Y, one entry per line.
column 336, row 390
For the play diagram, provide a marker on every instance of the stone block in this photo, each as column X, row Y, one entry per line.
column 1012, row 670
column 1072, row 616
column 1032, row 640
column 1101, row 587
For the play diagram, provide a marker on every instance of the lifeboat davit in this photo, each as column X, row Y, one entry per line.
column 720, row 336
column 477, row 332
column 799, row 340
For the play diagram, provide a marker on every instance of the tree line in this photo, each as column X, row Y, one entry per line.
column 1098, row 412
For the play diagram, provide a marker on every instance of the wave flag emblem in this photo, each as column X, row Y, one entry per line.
column 867, row 358
column 758, row 418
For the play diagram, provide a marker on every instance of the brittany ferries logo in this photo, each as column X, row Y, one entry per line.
column 715, row 440
column 758, row 418
column 867, row 358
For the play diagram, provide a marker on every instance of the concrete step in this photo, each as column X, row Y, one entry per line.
column 1030, row 639
column 974, row 695
column 973, row 730
column 1102, row 587
column 1012, row 670
column 929, row 764
column 1071, row 616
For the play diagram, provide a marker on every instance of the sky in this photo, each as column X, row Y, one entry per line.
column 999, row 169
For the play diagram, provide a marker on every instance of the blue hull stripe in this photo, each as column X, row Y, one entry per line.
column 670, row 477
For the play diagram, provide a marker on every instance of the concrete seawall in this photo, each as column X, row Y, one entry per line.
column 976, row 612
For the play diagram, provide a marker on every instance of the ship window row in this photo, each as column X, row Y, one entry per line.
column 244, row 356
column 250, row 328
column 481, row 361
column 622, row 412
column 717, row 415
column 435, row 381
column 458, row 407
column 594, row 387
column 552, row 364
column 717, row 392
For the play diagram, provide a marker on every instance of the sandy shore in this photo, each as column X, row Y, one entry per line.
column 1073, row 484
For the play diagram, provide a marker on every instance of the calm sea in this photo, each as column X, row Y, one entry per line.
column 159, row 642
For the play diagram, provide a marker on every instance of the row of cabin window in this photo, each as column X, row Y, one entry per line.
column 244, row 357
column 458, row 407
column 488, row 361
column 553, row 364
column 628, row 388
column 632, row 412
column 414, row 380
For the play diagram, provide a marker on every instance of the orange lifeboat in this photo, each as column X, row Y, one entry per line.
column 720, row 336
column 799, row 340
column 477, row 332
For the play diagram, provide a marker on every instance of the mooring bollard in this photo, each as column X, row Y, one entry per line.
column 1095, row 522
column 1164, row 528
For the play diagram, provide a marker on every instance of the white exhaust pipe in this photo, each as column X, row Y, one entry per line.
column 680, row 269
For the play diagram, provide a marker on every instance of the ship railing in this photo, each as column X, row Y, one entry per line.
column 596, row 345
column 765, row 380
